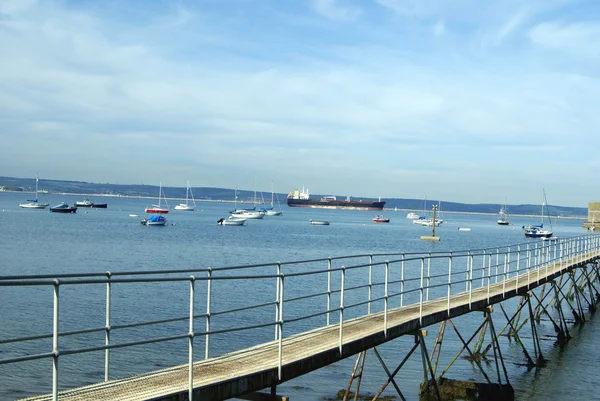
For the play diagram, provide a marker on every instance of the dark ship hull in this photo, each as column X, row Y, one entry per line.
column 336, row 204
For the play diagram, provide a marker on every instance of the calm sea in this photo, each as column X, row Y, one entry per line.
column 40, row 242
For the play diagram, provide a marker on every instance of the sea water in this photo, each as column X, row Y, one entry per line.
column 101, row 240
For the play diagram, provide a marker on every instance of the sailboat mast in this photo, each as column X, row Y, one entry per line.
column 272, row 193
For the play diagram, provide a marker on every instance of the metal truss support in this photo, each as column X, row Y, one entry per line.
column 465, row 346
column 427, row 369
column 515, row 335
column 360, row 359
column 537, row 350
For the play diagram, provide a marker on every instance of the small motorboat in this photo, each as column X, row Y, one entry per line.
column 231, row 221
column 84, row 203
column 380, row 219
column 157, row 220
column 319, row 222
column 63, row 208
column 412, row 216
column 100, row 205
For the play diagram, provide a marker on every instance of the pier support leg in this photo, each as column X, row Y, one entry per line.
column 359, row 364
column 534, row 336
column 563, row 323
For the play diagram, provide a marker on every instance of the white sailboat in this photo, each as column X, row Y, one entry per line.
column 186, row 207
column 158, row 208
column 272, row 211
column 503, row 215
column 538, row 231
column 33, row 203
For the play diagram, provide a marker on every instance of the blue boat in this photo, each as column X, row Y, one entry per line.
column 156, row 220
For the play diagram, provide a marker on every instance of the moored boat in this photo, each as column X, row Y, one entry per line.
column 412, row 216
column 187, row 207
column 156, row 220
column 63, row 208
column 302, row 199
column 380, row 219
column 538, row 231
column 34, row 203
column 158, row 208
column 319, row 222
column 231, row 221
column 84, row 203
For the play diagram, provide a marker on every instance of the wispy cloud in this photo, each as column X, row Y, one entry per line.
column 377, row 98
column 581, row 38
column 335, row 10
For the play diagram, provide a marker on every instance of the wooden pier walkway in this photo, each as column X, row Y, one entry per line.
column 256, row 368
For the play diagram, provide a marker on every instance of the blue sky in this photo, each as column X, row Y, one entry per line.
column 461, row 100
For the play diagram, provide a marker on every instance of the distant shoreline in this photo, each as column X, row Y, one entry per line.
column 584, row 218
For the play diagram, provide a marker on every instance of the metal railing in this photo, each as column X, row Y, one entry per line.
column 340, row 286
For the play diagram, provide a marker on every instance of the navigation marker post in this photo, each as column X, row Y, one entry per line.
column 432, row 237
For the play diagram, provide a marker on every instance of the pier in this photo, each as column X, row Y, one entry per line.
column 359, row 303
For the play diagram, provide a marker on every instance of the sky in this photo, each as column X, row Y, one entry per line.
column 460, row 100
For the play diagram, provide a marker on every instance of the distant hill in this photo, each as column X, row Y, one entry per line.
column 208, row 193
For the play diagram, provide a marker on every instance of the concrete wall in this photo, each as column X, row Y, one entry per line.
column 593, row 215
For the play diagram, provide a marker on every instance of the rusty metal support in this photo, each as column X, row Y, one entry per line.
column 561, row 315
column 359, row 359
column 466, row 346
column 497, row 349
column 427, row 366
column 515, row 334
column 534, row 336
column 437, row 346
column 393, row 374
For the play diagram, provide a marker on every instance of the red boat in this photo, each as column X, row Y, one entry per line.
column 381, row 219
column 158, row 209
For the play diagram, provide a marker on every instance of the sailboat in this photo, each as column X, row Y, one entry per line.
column 186, row 206
column 247, row 213
column 271, row 211
column 158, row 208
column 537, row 231
column 503, row 215
column 33, row 203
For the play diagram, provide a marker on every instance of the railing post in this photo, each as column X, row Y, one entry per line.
column 497, row 264
column 528, row 266
column 428, row 276
column 518, row 267
column 191, row 342
column 467, row 272
column 470, row 279
column 489, row 276
column 208, row 298
column 280, row 319
column 402, row 282
column 328, row 290
column 504, row 274
column 537, row 262
column 370, row 283
column 483, row 260
column 343, row 279
column 277, row 301
column 421, row 292
column 449, row 281
column 107, row 328
column 55, row 351
column 385, row 298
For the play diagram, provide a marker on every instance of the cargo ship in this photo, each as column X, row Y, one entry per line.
column 302, row 199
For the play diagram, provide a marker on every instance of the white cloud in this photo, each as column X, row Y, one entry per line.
column 333, row 9
column 577, row 37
